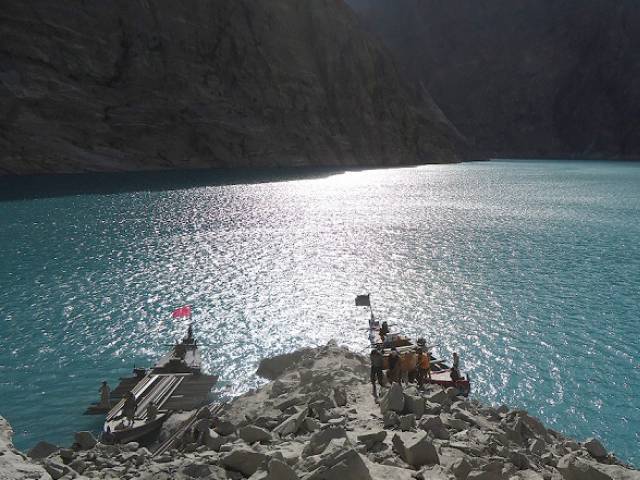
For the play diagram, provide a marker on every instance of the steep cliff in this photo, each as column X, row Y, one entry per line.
column 144, row 84
column 523, row 77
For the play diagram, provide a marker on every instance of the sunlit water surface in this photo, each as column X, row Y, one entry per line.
column 530, row 269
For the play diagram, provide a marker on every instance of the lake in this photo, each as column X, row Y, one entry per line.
column 529, row 269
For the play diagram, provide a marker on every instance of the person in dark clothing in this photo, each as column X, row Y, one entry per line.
column 394, row 365
column 129, row 407
column 384, row 330
column 377, row 362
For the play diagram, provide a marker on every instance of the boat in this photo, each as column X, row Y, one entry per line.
column 174, row 383
column 441, row 373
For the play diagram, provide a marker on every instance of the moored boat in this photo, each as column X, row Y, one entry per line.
column 175, row 382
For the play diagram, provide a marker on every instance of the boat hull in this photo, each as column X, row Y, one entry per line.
column 141, row 432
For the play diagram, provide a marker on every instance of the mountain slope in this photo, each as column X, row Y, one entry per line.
column 128, row 85
column 523, row 77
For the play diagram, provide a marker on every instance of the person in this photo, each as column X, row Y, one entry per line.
column 423, row 364
column 107, row 437
column 455, row 369
column 152, row 412
column 394, row 365
column 105, row 392
column 384, row 330
column 129, row 407
column 377, row 362
column 180, row 351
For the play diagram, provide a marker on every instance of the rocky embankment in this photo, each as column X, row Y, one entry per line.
column 317, row 420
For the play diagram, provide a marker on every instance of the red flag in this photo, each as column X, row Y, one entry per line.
column 182, row 312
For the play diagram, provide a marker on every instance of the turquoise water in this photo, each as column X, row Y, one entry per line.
column 530, row 269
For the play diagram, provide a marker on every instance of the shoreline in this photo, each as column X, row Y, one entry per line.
column 317, row 420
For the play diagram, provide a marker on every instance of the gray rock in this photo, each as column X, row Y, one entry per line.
column 85, row 440
column 223, row 427
column 275, row 470
column 292, row 424
column 572, row 467
column 55, row 469
column 439, row 397
column 433, row 424
column 42, row 450
column 407, row 422
column 595, row 448
column 290, row 400
column 78, row 465
column 390, row 419
column 340, row 396
column 393, row 399
column 311, row 424
column 371, row 438
column 214, row 441
column 484, row 475
column 319, row 440
column 414, row 404
column 342, row 465
column 432, row 408
column 537, row 446
column 461, row 468
column 519, row 460
column 252, row 434
column 66, row 454
column 244, row 460
column 415, row 449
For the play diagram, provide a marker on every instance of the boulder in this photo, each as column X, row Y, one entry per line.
column 369, row 439
column 272, row 368
column 196, row 470
column 319, row 440
column 415, row 449
column 275, row 470
column 452, row 392
column 407, row 422
column 244, row 460
column 432, row 408
column 484, row 475
column 439, row 397
column 340, row 396
column 292, row 424
column 288, row 401
column 520, row 460
column 42, row 450
column 85, row 440
column 572, row 467
column 528, row 475
column 342, row 465
column 537, row 446
column 433, row 424
column 214, row 441
column 414, row 404
column 461, row 468
column 393, row 399
column 252, row 434
column 311, row 424
column 390, row 419
column 78, row 465
column 595, row 448
column 55, row 469
column 223, row 427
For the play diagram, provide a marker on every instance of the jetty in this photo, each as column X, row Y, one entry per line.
column 144, row 401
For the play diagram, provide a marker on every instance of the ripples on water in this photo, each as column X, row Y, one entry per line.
column 529, row 269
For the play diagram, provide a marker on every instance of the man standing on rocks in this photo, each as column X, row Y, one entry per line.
column 377, row 362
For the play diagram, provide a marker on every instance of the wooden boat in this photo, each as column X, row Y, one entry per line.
column 441, row 373
column 176, row 382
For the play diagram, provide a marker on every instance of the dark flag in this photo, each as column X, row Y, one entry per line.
column 363, row 301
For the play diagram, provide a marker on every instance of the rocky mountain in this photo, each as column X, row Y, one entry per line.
column 126, row 85
column 523, row 77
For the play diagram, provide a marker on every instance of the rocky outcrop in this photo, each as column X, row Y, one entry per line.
column 524, row 78
column 326, row 441
column 128, row 85
column 13, row 464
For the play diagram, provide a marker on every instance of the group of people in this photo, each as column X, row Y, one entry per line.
column 421, row 372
